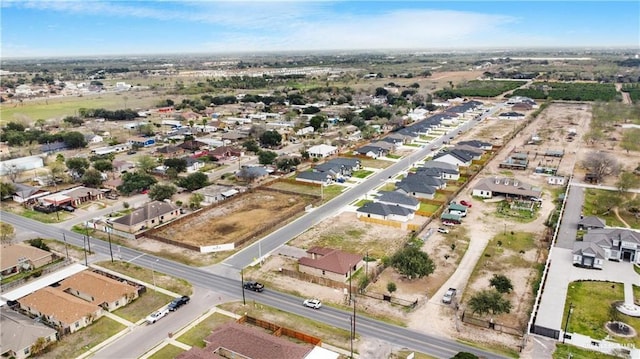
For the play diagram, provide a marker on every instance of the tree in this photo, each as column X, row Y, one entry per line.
column 489, row 301
column 6, row 190
column 73, row 121
column 74, row 139
column 194, row 181
column 103, row 165
column 160, row 192
column 251, row 146
column 38, row 345
column 92, row 178
column 7, row 232
column 464, row 355
column 135, row 182
column 501, row 283
column 316, row 122
column 195, row 200
column 391, row 287
column 146, row 163
column 267, row 157
column 630, row 139
column 626, row 181
column 600, row 165
column 381, row 91
column 271, row 138
column 178, row 164
column 77, row 165
column 412, row 262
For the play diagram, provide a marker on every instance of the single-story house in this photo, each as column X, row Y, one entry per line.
column 215, row 193
column 224, row 152
column 170, row 151
column 474, row 152
column 511, row 115
column 192, row 145
column 193, row 165
column 15, row 258
column 509, row 187
column 385, row 211
column 322, row 151
column 150, row 215
column 100, row 290
column 416, row 188
column 424, row 178
column 27, row 194
column 74, row 196
column 92, row 138
column 121, row 166
column 314, row 177
column 349, row 164
column 252, row 173
column 330, row 263
column 458, row 158
column 485, row 146
column 63, row 310
column 54, row 147
column 19, row 333
column 556, row 180
column 142, row 141
column 444, row 170
column 591, row 222
column 243, row 341
column 393, row 198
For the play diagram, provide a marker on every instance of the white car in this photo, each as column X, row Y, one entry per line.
column 312, row 303
column 157, row 315
column 443, row 230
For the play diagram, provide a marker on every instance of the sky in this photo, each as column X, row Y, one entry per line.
column 91, row 28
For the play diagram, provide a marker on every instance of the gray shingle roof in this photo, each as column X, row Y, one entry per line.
column 384, row 209
column 394, row 197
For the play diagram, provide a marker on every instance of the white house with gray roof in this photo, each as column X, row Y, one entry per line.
column 617, row 244
column 509, row 187
column 385, row 211
column 396, row 198
column 444, row 170
column 20, row 332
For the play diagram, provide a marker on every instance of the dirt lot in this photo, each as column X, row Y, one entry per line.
column 238, row 218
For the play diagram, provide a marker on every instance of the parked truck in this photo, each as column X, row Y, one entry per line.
column 448, row 296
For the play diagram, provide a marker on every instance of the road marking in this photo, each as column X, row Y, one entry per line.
column 540, row 342
column 227, row 264
column 134, row 258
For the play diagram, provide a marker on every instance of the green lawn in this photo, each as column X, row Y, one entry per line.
column 167, row 352
column 143, row 306
column 362, row 173
column 73, row 345
column 395, row 157
column 591, row 302
column 427, row 207
column 175, row 285
column 56, row 217
column 592, row 208
column 362, row 202
column 563, row 350
column 195, row 336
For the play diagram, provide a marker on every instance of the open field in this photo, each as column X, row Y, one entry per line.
column 149, row 276
column 73, row 345
column 237, row 218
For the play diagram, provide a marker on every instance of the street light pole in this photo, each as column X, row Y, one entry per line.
column 566, row 324
column 109, row 229
column 244, row 302
column 66, row 245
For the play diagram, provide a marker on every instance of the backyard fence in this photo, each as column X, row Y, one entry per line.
column 470, row 318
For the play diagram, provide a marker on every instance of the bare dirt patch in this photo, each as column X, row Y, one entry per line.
column 238, row 218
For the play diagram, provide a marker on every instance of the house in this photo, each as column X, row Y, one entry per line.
column 142, row 141
column 91, row 138
column 591, row 222
column 19, row 333
column 349, row 164
column 508, row 187
column 322, row 151
column 314, row 177
column 21, row 164
column 74, row 196
column 556, row 180
column 63, row 310
column 192, row 145
column 122, row 166
column 421, row 176
column 170, row 151
column 193, row 164
column 98, row 289
column 522, row 106
column 252, row 173
column 413, row 186
column 598, row 244
column 385, row 211
column 454, row 157
column 234, row 136
column 511, row 115
column 27, row 194
column 215, row 193
column 474, row 152
column 150, row 215
column 225, row 152
column 393, row 198
column 19, row 257
column 373, row 151
column 54, row 147
column 235, row 340
column 119, row 148
column 485, row 146
column 444, row 170
column 305, row 131
column 330, row 263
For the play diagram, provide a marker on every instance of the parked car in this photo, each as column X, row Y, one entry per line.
column 178, row 302
column 69, row 208
column 254, row 286
column 312, row 303
column 157, row 315
column 443, row 230
column 465, row 203
column 446, row 223
column 448, row 295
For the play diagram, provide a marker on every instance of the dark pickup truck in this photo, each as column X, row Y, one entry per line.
column 254, row 286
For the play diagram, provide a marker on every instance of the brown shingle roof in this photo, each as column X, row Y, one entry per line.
column 58, row 304
column 334, row 261
column 198, row 353
column 149, row 210
column 9, row 255
column 102, row 289
column 254, row 343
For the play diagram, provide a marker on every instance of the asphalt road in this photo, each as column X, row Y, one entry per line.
column 276, row 239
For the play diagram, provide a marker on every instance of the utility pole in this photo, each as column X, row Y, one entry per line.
column 109, row 229
column 66, row 245
column 84, row 248
column 244, row 302
column 86, row 229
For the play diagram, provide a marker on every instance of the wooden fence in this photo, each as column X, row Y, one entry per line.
column 317, row 280
column 388, row 298
column 384, row 222
column 280, row 331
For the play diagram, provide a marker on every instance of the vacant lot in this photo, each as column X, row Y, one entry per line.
column 238, row 218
